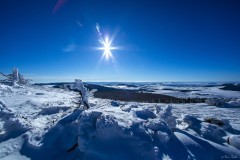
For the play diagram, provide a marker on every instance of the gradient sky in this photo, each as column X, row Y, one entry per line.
column 158, row 40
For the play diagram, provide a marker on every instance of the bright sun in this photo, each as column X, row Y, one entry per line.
column 107, row 48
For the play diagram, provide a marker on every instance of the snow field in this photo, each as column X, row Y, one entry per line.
column 45, row 123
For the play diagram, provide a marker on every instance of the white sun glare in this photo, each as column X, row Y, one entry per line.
column 107, row 48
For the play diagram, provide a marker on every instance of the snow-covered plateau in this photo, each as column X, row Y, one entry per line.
column 42, row 122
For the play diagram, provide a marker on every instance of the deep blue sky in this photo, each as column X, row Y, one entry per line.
column 161, row 40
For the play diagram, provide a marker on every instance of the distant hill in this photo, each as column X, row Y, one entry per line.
column 231, row 87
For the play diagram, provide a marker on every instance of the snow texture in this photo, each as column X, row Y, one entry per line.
column 40, row 122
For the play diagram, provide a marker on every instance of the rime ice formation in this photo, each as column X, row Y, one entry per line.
column 83, row 91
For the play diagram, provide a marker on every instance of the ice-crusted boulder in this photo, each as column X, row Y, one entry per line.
column 115, row 103
column 145, row 113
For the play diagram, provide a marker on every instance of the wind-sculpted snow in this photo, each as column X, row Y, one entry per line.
column 117, row 133
column 114, row 134
column 45, row 123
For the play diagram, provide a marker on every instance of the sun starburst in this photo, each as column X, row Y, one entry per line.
column 107, row 48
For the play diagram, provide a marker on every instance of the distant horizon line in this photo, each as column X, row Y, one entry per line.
column 141, row 82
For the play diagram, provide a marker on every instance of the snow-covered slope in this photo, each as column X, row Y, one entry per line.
column 30, row 111
column 46, row 123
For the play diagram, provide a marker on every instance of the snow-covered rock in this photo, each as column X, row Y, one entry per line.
column 234, row 140
column 145, row 113
column 115, row 103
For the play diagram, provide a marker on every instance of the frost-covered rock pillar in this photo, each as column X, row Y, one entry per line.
column 83, row 91
column 15, row 76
